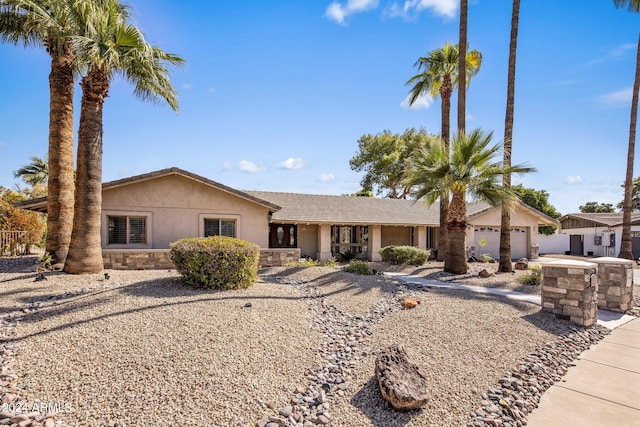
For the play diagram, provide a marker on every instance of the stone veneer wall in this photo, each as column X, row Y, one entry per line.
column 140, row 259
column 615, row 283
column 277, row 257
column 569, row 290
column 159, row 259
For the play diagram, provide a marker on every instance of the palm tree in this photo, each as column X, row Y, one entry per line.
column 48, row 23
column 626, row 249
column 35, row 173
column 462, row 65
column 439, row 76
column 505, row 226
column 471, row 171
column 109, row 46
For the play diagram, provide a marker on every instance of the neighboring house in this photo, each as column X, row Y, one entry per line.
column 145, row 213
column 598, row 234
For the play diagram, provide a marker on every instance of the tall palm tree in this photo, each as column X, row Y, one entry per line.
column 505, row 225
column 111, row 45
column 462, row 65
column 438, row 76
column 472, row 171
column 626, row 249
column 35, row 173
column 48, row 23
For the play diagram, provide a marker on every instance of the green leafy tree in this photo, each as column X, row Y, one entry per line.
column 438, row 75
column 538, row 199
column 626, row 250
column 635, row 196
column 363, row 193
column 505, row 217
column 383, row 157
column 110, row 45
column 50, row 24
column 471, row 171
column 595, row 207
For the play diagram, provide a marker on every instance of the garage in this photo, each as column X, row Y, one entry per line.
column 519, row 241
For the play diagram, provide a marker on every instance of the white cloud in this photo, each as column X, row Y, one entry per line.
column 614, row 53
column 292, row 163
column 212, row 89
column 410, row 8
column 573, row 179
column 248, row 166
column 422, row 103
column 186, row 86
column 326, row 177
column 337, row 12
column 620, row 97
column 226, row 166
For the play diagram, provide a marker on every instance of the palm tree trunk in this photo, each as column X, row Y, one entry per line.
column 85, row 252
column 626, row 249
column 445, row 95
column 505, row 226
column 60, row 185
column 462, row 67
column 456, row 261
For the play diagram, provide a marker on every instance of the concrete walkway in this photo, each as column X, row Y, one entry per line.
column 601, row 390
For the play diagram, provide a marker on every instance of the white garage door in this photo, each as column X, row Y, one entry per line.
column 492, row 236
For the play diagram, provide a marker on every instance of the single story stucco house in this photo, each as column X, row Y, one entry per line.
column 599, row 234
column 143, row 214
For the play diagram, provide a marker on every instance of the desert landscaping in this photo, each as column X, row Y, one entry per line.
column 297, row 348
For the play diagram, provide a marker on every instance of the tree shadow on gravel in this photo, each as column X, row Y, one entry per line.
column 370, row 402
column 169, row 291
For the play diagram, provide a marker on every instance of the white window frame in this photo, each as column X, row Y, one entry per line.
column 216, row 215
column 138, row 214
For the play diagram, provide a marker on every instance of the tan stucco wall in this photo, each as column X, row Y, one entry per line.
column 177, row 207
column 519, row 218
column 308, row 239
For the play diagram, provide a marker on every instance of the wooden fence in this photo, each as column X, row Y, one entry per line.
column 15, row 243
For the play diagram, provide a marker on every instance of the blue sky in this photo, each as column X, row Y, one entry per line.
column 276, row 94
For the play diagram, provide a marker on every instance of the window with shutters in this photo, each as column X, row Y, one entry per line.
column 123, row 230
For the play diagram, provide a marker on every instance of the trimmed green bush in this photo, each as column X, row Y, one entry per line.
column 216, row 262
column 404, row 255
column 534, row 278
column 358, row 267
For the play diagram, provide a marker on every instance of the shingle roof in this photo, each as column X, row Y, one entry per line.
column 315, row 208
column 608, row 219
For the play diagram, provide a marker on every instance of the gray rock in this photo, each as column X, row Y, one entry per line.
column 401, row 382
column 522, row 264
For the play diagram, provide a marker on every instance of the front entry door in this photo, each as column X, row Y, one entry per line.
column 283, row 236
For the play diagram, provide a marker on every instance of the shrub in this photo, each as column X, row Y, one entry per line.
column 348, row 256
column 358, row 267
column 534, row 278
column 310, row 262
column 216, row 262
column 404, row 255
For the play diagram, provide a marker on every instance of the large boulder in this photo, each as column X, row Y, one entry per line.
column 400, row 380
column 522, row 264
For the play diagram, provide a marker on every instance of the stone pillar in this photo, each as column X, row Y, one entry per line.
column 569, row 290
column 615, row 283
column 534, row 252
column 375, row 242
column 324, row 243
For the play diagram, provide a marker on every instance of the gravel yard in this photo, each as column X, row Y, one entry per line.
column 141, row 349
